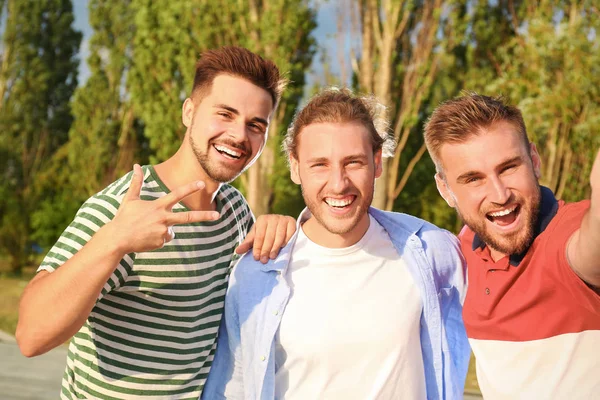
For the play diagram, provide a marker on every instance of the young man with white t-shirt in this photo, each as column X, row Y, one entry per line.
column 362, row 303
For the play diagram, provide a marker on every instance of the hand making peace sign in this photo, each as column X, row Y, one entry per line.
column 147, row 225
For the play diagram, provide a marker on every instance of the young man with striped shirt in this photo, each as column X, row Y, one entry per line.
column 139, row 276
column 362, row 303
column 532, row 311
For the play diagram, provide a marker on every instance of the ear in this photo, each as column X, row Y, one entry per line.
column 378, row 163
column 294, row 172
column 536, row 160
column 187, row 112
column 444, row 190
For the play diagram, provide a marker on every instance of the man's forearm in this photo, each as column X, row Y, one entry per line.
column 584, row 248
column 55, row 305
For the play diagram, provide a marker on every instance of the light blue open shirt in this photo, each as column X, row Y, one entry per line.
column 244, row 365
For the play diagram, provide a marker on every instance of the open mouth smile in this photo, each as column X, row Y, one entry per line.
column 340, row 203
column 229, row 152
column 504, row 217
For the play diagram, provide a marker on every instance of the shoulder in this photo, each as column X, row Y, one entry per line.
column 233, row 195
column 113, row 193
column 106, row 202
column 572, row 210
column 250, row 282
column 567, row 220
column 407, row 225
column 234, row 201
column 440, row 247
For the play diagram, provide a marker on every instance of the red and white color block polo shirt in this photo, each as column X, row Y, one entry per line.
column 533, row 324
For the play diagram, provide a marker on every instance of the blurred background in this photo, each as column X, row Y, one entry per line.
column 89, row 87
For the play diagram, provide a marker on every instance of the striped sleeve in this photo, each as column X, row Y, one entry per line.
column 96, row 212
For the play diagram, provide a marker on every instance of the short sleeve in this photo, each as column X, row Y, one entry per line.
column 96, row 212
column 568, row 221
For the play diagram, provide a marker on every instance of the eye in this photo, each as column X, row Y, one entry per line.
column 472, row 179
column 224, row 114
column 509, row 167
column 256, row 128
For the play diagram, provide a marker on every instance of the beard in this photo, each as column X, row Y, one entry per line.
column 342, row 224
column 515, row 242
column 215, row 170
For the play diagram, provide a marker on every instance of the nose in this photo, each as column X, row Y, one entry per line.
column 499, row 192
column 338, row 180
column 237, row 132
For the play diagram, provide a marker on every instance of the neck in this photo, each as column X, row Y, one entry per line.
column 321, row 236
column 183, row 168
column 496, row 255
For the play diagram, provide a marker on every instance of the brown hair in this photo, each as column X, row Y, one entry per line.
column 456, row 120
column 239, row 62
column 341, row 105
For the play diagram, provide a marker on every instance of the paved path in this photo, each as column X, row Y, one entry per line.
column 29, row 378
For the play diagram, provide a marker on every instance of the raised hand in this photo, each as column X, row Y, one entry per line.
column 268, row 235
column 141, row 225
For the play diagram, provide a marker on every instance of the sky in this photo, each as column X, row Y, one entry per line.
column 324, row 33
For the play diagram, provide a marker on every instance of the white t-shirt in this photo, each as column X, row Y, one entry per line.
column 351, row 327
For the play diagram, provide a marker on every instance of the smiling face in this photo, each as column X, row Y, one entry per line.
column 336, row 168
column 492, row 181
column 227, row 130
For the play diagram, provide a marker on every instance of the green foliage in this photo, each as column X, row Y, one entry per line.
column 37, row 78
column 551, row 71
column 105, row 138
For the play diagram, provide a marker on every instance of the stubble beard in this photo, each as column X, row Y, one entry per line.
column 338, row 229
column 514, row 243
column 214, row 171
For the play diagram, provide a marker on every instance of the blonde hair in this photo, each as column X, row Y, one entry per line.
column 457, row 120
column 342, row 105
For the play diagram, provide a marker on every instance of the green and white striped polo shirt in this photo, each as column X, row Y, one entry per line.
column 152, row 332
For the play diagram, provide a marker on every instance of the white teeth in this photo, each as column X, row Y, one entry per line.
column 228, row 151
column 503, row 212
column 338, row 202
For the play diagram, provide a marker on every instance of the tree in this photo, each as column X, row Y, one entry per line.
column 37, row 78
column 401, row 45
column 105, row 138
column 551, row 71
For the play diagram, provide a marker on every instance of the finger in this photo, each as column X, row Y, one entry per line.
column 290, row 229
column 180, row 193
column 259, row 236
column 135, row 186
column 269, row 239
column 190, row 217
column 247, row 242
column 279, row 240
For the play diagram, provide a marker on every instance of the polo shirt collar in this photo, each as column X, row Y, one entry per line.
column 547, row 211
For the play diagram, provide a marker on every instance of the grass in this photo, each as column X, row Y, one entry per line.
column 11, row 288
column 471, row 385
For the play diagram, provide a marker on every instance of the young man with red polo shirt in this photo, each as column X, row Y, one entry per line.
column 532, row 311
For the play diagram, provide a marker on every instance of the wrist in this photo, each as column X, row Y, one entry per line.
column 110, row 237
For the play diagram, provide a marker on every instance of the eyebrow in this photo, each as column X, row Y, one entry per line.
column 236, row 112
column 471, row 174
column 361, row 157
column 513, row 160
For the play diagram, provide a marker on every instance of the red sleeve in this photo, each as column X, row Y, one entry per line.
column 565, row 224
